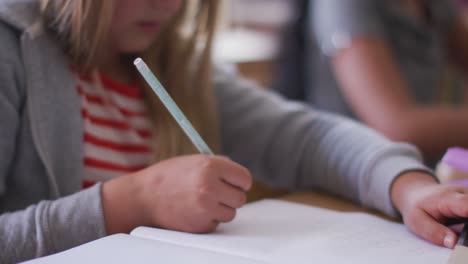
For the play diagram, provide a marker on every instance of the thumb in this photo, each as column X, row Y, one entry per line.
column 428, row 228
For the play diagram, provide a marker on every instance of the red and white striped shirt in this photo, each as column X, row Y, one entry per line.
column 116, row 129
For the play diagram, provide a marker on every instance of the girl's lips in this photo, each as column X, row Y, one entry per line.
column 148, row 26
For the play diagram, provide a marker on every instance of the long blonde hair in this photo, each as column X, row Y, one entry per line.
column 180, row 57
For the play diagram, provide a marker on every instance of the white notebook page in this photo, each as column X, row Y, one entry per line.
column 283, row 232
column 124, row 249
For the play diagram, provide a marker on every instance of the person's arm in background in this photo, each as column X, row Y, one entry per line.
column 456, row 30
column 457, row 45
column 377, row 92
column 374, row 86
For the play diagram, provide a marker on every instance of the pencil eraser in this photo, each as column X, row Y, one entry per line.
column 137, row 61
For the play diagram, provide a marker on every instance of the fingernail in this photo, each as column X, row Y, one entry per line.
column 449, row 241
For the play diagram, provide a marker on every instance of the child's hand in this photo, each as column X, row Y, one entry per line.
column 426, row 206
column 191, row 194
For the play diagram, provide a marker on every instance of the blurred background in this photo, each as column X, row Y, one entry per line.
column 252, row 35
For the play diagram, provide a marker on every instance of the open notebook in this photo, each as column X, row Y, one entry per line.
column 269, row 231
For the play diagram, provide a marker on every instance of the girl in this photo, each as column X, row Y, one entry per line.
column 74, row 115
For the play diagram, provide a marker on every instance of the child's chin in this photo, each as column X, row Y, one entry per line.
column 137, row 48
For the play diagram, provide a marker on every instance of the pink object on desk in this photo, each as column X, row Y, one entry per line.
column 453, row 166
column 457, row 158
column 462, row 183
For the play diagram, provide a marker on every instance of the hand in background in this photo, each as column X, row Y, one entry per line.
column 191, row 194
column 426, row 206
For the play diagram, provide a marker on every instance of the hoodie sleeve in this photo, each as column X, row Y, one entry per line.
column 51, row 226
column 289, row 145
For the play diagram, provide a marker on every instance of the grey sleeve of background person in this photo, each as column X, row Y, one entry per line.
column 287, row 144
column 335, row 23
column 49, row 226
